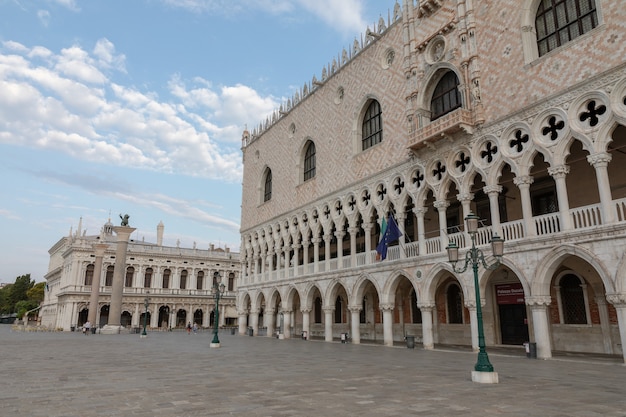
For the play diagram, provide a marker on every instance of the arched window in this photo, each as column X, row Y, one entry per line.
column 454, row 297
column 89, row 274
column 560, row 21
column 309, row 161
column 416, row 313
column 318, row 310
column 231, row 281
column 147, row 278
column 108, row 278
column 166, row 278
column 338, row 310
column 372, row 132
column 573, row 300
column 130, row 272
column 267, row 188
column 200, row 280
column 446, row 96
column 183, row 279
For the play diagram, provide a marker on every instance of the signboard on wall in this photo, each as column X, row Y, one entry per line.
column 510, row 293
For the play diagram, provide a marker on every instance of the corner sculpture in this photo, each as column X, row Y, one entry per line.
column 124, row 219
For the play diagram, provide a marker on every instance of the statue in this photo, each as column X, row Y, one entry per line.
column 124, row 219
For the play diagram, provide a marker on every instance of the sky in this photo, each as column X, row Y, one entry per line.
column 112, row 107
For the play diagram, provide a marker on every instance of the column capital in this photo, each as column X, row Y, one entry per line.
column 618, row 300
column 492, row 189
column 441, row 204
column 426, row 306
column 539, row 301
column 559, row 171
column 420, row 211
column 386, row 307
column 523, row 180
column 328, row 310
column 599, row 160
column 306, row 310
column 461, row 197
column 355, row 309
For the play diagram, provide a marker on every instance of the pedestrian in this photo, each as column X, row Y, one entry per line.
column 189, row 328
column 195, row 328
column 87, row 328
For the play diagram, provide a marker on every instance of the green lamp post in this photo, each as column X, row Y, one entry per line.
column 146, row 303
column 483, row 368
column 218, row 290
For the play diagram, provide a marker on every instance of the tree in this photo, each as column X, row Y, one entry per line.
column 12, row 294
column 36, row 293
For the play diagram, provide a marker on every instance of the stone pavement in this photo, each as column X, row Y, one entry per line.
column 175, row 374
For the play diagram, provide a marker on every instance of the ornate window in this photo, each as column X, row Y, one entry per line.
column 267, row 187
column 108, row 279
column 231, row 281
column 309, row 161
column 199, row 280
column 454, row 297
column 130, row 271
column 559, row 21
column 166, row 278
column 446, row 96
column 573, row 300
column 183, row 279
column 372, row 126
column 147, row 278
column 89, row 274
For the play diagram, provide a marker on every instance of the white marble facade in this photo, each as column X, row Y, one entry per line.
column 446, row 108
column 177, row 281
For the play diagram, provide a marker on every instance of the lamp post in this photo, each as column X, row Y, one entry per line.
column 218, row 290
column 483, row 370
column 146, row 302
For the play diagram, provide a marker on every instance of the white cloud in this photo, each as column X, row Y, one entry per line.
column 65, row 102
column 344, row 15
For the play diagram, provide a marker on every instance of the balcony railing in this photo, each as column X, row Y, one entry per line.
column 585, row 217
column 453, row 122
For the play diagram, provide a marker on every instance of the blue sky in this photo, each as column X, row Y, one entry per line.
column 137, row 107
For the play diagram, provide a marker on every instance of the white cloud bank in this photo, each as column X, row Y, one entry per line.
column 67, row 102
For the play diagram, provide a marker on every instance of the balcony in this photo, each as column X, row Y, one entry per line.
column 453, row 122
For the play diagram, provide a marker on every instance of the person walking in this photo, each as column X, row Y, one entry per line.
column 189, row 328
column 195, row 328
column 87, row 328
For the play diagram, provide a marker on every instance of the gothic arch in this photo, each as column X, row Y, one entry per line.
column 553, row 259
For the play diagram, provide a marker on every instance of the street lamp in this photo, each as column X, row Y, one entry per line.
column 218, row 290
column 483, row 368
column 146, row 302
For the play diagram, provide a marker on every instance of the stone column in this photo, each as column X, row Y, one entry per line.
column 306, row 322
column 296, row 258
column 559, row 173
column 305, row 256
column 427, row 325
column 287, row 324
column 619, row 302
column 493, row 191
column 367, row 229
column 316, row 254
column 243, row 314
column 523, row 183
column 401, row 217
column 270, row 317
column 600, row 162
column 93, row 316
column 355, row 322
column 420, row 212
column 254, row 321
column 441, row 206
column 466, row 201
column 115, row 310
column 327, row 241
column 339, row 235
column 353, row 231
column 471, row 306
column 387, row 324
column 539, row 307
column 328, row 324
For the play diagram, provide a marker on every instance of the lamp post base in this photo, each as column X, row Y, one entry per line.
column 485, row 377
column 215, row 345
column 142, row 336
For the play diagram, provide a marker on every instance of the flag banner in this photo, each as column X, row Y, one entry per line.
column 389, row 232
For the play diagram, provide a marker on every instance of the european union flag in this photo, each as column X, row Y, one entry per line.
column 389, row 234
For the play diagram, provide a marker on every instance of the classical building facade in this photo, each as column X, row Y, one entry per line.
column 514, row 110
column 176, row 282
